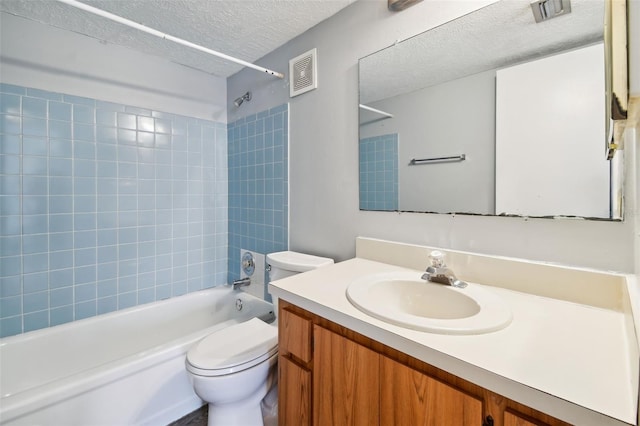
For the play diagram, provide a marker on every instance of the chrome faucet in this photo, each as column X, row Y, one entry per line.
column 438, row 272
column 242, row 282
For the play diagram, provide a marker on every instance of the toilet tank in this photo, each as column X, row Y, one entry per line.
column 283, row 264
column 286, row 263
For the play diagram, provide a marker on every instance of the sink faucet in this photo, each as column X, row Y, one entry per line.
column 438, row 272
column 242, row 282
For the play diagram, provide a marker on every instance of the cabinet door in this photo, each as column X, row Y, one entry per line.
column 346, row 381
column 294, row 394
column 408, row 397
column 514, row 419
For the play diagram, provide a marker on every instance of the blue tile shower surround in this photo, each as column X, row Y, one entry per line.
column 258, row 184
column 104, row 206
column 378, row 158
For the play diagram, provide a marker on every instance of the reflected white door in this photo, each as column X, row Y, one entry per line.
column 550, row 136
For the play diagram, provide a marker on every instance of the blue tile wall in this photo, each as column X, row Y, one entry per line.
column 104, row 206
column 258, row 184
column 378, row 158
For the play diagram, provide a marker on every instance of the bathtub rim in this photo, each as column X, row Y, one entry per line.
column 142, row 307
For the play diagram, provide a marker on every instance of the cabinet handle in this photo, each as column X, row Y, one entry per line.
column 488, row 421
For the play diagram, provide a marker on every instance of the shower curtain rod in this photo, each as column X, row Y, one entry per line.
column 169, row 37
column 377, row 111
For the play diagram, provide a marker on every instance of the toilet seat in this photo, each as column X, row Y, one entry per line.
column 232, row 349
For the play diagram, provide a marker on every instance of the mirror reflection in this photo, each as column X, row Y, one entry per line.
column 492, row 114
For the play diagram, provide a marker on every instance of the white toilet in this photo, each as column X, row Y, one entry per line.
column 233, row 369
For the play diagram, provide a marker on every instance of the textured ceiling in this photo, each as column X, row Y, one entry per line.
column 246, row 29
column 498, row 35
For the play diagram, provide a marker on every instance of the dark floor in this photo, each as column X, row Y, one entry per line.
column 195, row 418
column 200, row 418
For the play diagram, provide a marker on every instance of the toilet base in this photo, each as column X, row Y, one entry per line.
column 246, row 412
column 234, row 415
column 235, row 399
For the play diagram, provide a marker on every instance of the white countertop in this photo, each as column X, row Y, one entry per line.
column 569, row 360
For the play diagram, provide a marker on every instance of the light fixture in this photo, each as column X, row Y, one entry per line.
column 398, row 5
column 544, row 10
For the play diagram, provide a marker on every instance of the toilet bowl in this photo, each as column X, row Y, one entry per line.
column 233, row 369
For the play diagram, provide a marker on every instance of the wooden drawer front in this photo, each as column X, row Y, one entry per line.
column 294, row 394
column 295, row 335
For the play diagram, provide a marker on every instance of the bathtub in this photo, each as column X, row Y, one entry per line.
column 122, row 368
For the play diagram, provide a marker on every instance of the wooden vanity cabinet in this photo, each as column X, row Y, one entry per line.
column 294, row 369
column 331, row 375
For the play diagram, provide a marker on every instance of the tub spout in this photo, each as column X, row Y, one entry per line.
column 242, row 282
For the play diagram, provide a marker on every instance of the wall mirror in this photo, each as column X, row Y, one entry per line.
column 492, row 114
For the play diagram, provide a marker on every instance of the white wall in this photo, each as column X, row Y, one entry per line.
column 40, row 56
column 324, row 215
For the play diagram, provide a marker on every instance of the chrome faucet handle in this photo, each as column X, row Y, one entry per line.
column 437, row 259
column 438, row 272
column 458, row 283
column 248, row 264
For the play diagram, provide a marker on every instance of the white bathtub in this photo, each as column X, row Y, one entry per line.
column 122, row 368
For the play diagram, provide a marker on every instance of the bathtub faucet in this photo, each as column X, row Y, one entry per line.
column 242, row 282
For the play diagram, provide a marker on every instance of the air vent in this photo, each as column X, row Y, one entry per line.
column 303, row 73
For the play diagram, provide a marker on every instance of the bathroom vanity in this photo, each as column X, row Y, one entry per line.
column 569, row 356
column 330, row 374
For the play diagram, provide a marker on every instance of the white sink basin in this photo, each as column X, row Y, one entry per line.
column 406, row 300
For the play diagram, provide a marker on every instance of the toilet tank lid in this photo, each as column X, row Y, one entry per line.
column 297, row 262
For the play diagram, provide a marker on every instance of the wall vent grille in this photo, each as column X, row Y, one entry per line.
column 303, row 73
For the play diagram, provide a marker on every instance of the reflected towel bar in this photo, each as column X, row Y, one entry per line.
column 420, row 161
